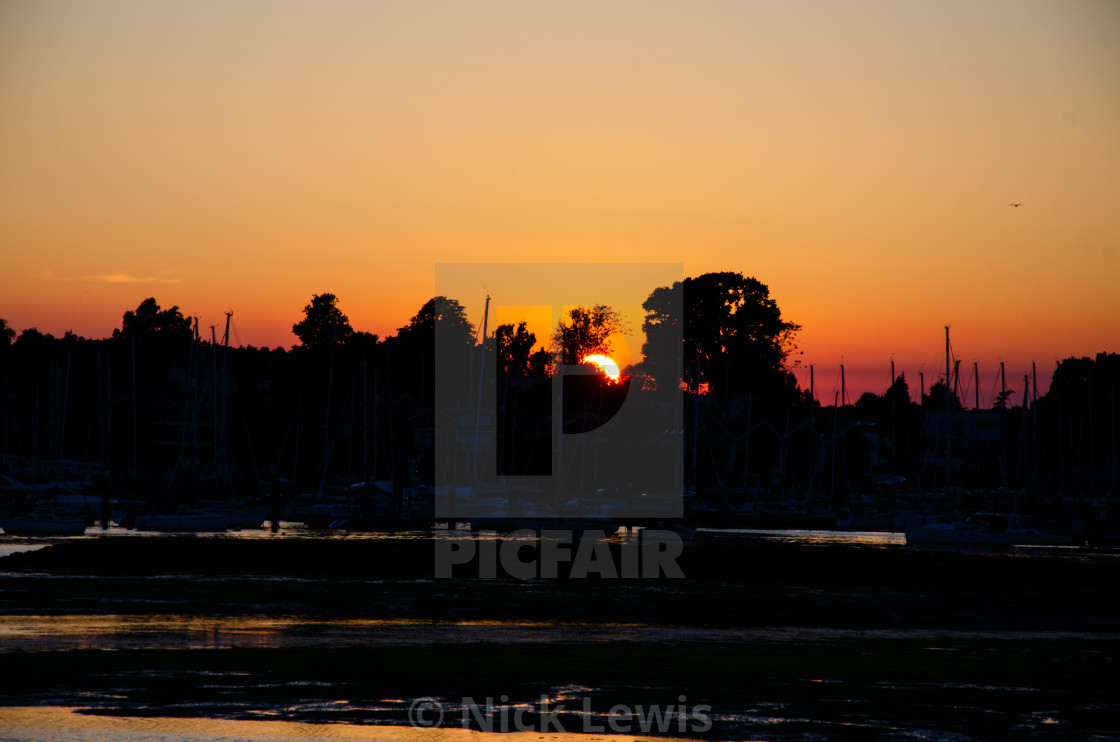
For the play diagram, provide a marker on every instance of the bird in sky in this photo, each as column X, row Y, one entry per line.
column 1014, row 204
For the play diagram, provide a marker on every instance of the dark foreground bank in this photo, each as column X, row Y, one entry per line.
column 844, row 689
column 833, row 642
column 727, row 583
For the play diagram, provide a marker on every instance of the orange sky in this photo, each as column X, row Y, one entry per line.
column 857, row 157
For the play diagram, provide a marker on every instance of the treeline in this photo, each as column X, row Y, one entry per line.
column 162, row 407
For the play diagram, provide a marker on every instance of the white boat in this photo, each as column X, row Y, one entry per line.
column 43, row 524
column 183, row 520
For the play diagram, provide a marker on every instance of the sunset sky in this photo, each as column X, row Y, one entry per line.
column 859, row 158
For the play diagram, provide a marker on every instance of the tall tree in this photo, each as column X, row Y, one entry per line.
column 448, row 315
column 323, row 323
column 586, row 332
column 7, row 334
column 514, row 348
column 412, row 352
column 730, row 325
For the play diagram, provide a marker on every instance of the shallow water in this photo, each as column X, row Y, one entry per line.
column 212, row 700
column 7, row 548
column 795, row 536
column 63, row 724
column 30, row 633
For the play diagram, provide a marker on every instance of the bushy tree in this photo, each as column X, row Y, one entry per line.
column 148, row 321
column 32, row 337
column 730, row 324
column 7, row 334
column 448, row 315
column 514, row 348
column 941, row 399
column 586, row 332
column 323, row 323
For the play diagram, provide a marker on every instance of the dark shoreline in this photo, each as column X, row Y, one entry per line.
column 855, row 689
column 728, row 583
column 886, row 673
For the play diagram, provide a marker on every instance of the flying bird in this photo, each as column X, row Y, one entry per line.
column 1014, row 204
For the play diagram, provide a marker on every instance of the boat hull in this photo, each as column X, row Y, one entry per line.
column 183, row 522
column 43, row 526
column 949, row 536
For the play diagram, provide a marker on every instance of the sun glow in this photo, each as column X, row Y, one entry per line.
column 605, row 364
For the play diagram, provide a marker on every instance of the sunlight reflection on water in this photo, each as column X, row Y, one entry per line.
column 873, row 538
column 55, row 724
column 23, row 633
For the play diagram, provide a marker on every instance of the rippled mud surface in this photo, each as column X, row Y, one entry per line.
column 773, row 641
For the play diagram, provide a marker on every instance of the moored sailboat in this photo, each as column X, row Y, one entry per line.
column 43, row 524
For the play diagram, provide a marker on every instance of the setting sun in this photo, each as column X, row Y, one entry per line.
column 605, row 364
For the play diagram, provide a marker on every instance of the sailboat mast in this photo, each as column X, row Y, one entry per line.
column 1061, row 445
column 1025, row 429
column 696, row 423
column 976, row 376
column 365, row 424
column 976, row 428
column 948, row 359
column 842, row 432
column 894, row 437
column 1034, row 418
column 812, row 431
column 481, row 371
column 214, row 401
column 135, row 432
column 227, row 479
column 320, row 492
column 948, row 411
column 1092, row 442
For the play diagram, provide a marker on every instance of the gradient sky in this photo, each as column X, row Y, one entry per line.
column 857, row 157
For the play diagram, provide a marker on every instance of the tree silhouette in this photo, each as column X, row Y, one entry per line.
column 32, row 337
column 586, row 332
column 541, row 363
column 1002, row 399
column 149, row 321
column 445, row 314
column 730, row 325
column 935, row 401
column 323, row 323
column 514, row 348
column 899, row 392
column 411, row 353
column 7, row 334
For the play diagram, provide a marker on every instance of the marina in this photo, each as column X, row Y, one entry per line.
column 735, row 370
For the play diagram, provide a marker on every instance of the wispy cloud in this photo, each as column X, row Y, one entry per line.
column 126, row 278
column 116, row 278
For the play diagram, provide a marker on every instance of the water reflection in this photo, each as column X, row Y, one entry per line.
column 170, row 631
column 16, row 546
column 870, row 538
column 55, row 724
